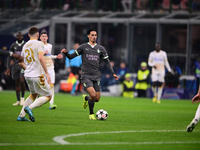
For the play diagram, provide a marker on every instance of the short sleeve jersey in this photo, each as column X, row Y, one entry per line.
column 158, row 59
column 30, row 52
column 16, row 48
column 47, row 56
column 91, row 56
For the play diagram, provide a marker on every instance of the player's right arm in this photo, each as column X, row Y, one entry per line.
column 9, row 59
column 150, row 61
column 70, row 56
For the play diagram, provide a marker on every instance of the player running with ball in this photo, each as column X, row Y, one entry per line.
column 91, row 54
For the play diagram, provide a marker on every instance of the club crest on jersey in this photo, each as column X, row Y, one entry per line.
column 98, row 51
column 15, row 47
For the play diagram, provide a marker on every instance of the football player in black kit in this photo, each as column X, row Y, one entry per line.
column 17, row 72
column 91, row 54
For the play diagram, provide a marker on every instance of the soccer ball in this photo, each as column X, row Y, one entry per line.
column 102, row 114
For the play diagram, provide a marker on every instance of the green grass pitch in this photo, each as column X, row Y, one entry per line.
column 135, row 124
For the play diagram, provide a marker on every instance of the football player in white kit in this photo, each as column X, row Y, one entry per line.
column 158, row 61
column 50, row 65
column 35, row 68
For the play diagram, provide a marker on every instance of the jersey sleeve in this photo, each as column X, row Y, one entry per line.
column 79, row 50
column 104, row 54
column 150, row 60
column 166, row 62
column 41, row 47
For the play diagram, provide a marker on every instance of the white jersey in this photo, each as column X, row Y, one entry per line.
column 159, row 60
column 48, row 57
column 30, row 52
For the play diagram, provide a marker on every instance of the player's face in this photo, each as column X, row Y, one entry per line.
column 92, row 36
column 157, row 46
column 19, row 36
column 44, row 38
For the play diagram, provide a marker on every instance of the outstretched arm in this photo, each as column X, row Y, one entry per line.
column 108, row 65
column 70, row 56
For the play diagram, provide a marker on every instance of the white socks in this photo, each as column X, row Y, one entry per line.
column 160, row 89
column 39, row 102
column 154, row 91
column 197, row 115
column 27, row 102
column 52, row 99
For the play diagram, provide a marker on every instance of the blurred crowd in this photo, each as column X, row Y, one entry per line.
column 101, row 5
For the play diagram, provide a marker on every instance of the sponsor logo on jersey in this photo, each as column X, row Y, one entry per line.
column 98, row 51
column 86, row 49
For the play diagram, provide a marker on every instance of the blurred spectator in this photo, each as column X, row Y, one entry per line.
column 197, row 72
column 157, row 3
column 172, row 80
column 122, row 71
column 107, row 77
column 35, row 4
column 2, row 70
column 73, row 66
column 144, row 4
column 128, row 86
column 127, row 5
column 195, row 5
column 143, row 80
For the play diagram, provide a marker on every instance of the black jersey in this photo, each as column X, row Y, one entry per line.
column 91, row 56
column 15, row 48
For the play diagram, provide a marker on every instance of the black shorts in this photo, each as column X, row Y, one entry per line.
column 75, row 70
column 17, row 72
column 90, row 83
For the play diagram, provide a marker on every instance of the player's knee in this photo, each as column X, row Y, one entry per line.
column 93, row 96
column 97, row 99
column 49, row 97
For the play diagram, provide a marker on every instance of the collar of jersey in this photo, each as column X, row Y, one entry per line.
column 92, row 45
column 20, row 43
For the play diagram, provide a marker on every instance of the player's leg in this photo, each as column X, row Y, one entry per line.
column 22, row 84
column 160, row 89
column 195, row 121
column 29, row 100
column 52, row 76
column 17, row 91
column 161, row 84
column 154, row 78
column 39, row 86
column 51, row 102
column 94, row 93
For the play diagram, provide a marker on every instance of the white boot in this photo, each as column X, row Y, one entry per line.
column 17, row 103
column 22, row 101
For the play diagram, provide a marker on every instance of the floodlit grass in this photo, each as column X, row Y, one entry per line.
column 132, row 124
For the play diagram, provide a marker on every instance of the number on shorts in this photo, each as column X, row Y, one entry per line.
column 30, row 55
column 42, row 79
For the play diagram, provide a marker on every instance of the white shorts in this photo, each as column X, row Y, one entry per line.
column 52, row 75
column 158, row 77
column 38, row 85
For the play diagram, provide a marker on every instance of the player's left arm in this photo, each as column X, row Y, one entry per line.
column 104, row 56
column 166, row 63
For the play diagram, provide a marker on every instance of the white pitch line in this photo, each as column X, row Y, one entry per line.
column 60, row 139
column 106, row 143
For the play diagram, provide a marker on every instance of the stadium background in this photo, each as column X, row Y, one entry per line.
column 128, row 35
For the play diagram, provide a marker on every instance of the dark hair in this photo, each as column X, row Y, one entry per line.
column 43, row 33
column 33, row 30
column 90, row 30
